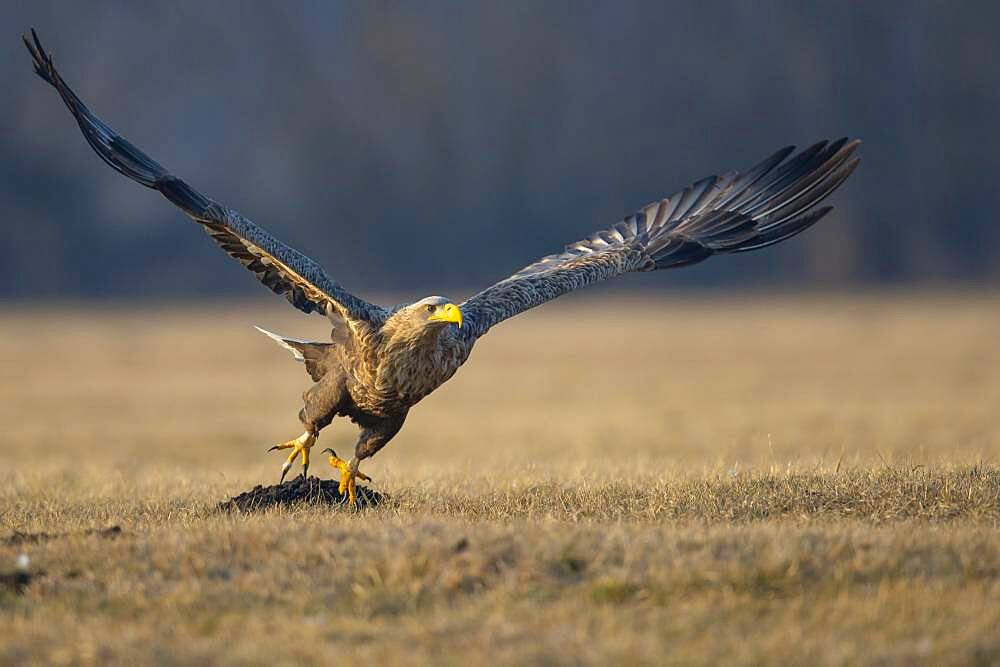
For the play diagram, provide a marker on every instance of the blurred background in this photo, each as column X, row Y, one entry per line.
column 436, row 146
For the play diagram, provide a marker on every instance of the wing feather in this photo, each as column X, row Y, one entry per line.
column 769, row 203
column 282, row 269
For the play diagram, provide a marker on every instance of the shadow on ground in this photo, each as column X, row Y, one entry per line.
column 299, row 491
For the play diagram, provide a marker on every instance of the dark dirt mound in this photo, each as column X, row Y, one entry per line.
column 17, row 582
column 312, row 491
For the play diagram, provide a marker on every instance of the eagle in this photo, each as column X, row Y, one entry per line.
column 380, row 362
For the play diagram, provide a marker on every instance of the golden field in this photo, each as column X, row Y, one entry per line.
column 609, row 480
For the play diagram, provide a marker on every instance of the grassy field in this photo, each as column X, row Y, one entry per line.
column 710, row 480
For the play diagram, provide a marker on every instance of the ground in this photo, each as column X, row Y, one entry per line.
column 610, row 479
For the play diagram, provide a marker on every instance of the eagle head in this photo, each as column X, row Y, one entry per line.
column 426, row 317
column 436, row 311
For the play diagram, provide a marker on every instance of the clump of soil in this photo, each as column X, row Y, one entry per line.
column 16, row 582
column 312, row 491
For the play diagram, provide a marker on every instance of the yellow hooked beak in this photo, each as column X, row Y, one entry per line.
column 449, row 312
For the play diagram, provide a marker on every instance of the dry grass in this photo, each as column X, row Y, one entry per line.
column 789, row 480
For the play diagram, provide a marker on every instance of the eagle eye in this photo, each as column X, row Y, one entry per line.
column 430, row 308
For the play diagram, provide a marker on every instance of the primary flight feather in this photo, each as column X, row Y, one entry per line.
column 382, row 361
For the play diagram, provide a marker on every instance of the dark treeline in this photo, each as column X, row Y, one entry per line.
column 434, row 146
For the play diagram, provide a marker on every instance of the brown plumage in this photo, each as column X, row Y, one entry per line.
column 380, row 362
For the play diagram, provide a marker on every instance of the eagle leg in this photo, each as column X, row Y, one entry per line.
column 300, row 445
column 349, row 476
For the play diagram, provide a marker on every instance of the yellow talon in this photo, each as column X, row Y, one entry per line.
column 301, row 445
column 349, row 475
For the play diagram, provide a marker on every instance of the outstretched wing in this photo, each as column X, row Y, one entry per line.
column 721, row 214
column 284, row 270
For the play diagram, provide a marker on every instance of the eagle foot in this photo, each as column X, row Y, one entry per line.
column 300, row 445
column 349, row 476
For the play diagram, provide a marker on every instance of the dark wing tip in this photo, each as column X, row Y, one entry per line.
column 854, row 144
column 783, row 232
column 784, row 152
column 777, row 157
column 42, row 60
column 851, row 165
column 849, row 145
